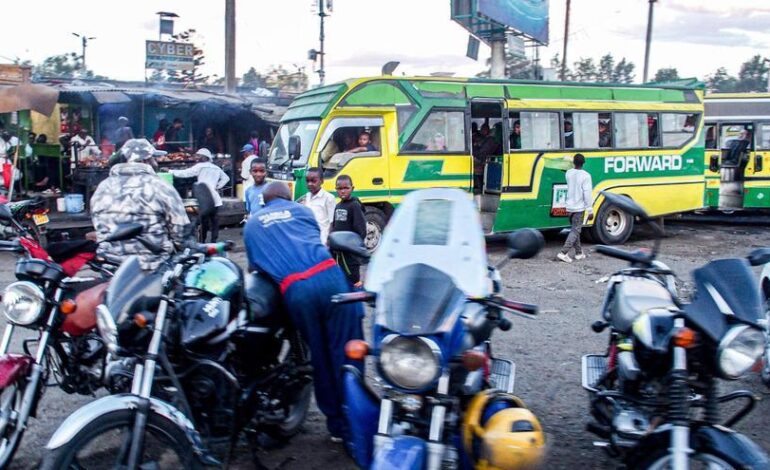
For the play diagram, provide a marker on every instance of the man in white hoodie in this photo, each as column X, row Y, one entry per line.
column 215, row 179
column 579, row 201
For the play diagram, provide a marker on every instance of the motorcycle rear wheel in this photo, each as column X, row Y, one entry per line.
column 697, row 461
column 10, row 433
column 163, row 437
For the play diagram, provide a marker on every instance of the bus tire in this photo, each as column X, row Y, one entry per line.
column 612, row 226
column 375, row 224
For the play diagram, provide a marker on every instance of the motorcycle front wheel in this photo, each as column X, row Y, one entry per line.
column 104, row 443
column 697, row 461
column 10, row 431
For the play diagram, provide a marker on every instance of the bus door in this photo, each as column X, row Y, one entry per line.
column 757, row 174
column 736, row 146
column 712, row 155
column 489, row 143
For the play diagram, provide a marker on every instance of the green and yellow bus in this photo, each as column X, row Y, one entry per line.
column 509, row 142
column 737, row 174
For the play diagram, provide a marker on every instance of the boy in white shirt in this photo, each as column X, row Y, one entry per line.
column 319, row 201
column 579, row 201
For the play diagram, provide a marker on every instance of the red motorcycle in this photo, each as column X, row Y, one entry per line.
column 47, row 298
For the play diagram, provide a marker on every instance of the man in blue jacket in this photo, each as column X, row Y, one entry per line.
column 283, row 240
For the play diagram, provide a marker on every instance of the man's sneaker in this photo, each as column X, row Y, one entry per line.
column 580, row 256
column 564, row 257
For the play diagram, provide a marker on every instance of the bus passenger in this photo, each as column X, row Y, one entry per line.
column 364, row 144
column 437, row 143
column 569, row 135
column 516, row 135
column 604, row 134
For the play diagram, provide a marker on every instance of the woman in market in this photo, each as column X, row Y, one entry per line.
column 211, row 141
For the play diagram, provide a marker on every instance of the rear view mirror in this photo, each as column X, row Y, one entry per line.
column 348, row 242
column 125, row 232
column 295, row 147
column 759, row 257
column 525, row 243
column 6, row 217
column 626, row 204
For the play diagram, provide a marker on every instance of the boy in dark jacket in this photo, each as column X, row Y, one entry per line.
column 348, row 216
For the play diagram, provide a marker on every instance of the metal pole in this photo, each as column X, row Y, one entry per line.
column 230, row 79
column 563, row 74
column 497, row 66
column 84, row 54
column 322, row 14
column 649, row 39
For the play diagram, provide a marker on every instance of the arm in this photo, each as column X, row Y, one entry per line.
column 191, row 172
column 329, row 205
column 223, row 179
column 587, row 199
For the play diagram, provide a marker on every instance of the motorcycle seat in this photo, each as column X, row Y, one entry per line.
column 64, row 250
column 263, row 299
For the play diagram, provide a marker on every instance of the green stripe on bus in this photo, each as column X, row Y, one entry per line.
column 430, row 170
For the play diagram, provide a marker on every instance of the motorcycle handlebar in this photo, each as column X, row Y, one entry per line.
column 512, row 305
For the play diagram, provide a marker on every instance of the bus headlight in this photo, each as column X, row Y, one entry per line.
column 23, row 303
column 739, row 350
column 410, row 362
column 107, row 328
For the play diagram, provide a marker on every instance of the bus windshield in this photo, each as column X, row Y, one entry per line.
column 305, row 130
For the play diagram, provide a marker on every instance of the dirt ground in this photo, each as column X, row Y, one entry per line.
column 546, row 350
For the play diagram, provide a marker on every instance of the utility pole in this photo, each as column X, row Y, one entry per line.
column 497, row 61
column 563, row 74
column 649, row 40
column 322, row 15
column 230, row 78
column 84, row 41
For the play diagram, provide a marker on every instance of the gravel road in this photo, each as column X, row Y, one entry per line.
column 547, row 350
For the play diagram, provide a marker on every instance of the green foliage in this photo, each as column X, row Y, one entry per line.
column 284, row 80
column 666, row 75
column 252, row 79
column 752, row 77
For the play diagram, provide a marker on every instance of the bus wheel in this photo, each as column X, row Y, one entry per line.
column 612, row 226
column 375, row 224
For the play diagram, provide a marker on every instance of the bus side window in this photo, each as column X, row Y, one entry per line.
column 585, row 130
column 763, row 141
column 442, row 131
column 677, row 128
column 539, row 130
column 711, row 136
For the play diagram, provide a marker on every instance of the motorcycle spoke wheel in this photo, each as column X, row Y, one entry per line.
column 10, row 433
column 698, row 461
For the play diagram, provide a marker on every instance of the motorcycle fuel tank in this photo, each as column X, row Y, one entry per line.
column 217, row 276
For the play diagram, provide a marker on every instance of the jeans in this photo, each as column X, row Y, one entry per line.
column 573, row 239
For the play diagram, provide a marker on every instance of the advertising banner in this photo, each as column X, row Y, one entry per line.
column 169, row 55
column 526, row 16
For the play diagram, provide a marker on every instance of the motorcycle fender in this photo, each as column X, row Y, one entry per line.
column 126, row 401
column 13, row 366
column 401, row 452
column 716, row 440
column 362, row 410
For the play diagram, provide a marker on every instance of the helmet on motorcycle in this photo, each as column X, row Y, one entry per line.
column 139, row 150
column 499, row 432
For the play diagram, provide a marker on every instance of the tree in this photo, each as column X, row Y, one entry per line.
column 253, row 79
column 624, row 72
column 606, row 72
column 190, row 78
column 721, row 82
column 753, row 75
column 666, row 75
column 279, row 77
column 584, row 70
column 60, row 66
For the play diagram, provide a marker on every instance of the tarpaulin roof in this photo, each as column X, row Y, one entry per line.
column 38, row 98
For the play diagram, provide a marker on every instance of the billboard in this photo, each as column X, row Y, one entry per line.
column 526, row 16
column 169, row 55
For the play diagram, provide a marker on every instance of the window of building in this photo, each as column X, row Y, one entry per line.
column 537, row 130
column 442, row 131
column 677, row 128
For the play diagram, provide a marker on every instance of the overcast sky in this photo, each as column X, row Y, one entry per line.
column 694, row 36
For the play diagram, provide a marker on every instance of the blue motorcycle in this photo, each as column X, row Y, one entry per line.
column 444, row 400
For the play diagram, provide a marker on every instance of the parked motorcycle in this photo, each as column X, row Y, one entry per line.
column 67, row 351
column 764, row 285
column 200, row 356
column 446, row 402
column 653, row 392
column 29, row 216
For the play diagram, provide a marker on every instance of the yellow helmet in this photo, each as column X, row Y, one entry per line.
column 500, row 433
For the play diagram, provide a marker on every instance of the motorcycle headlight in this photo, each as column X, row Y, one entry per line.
column 107, row 328
column 739, row 350
column 411, row 363
column 23, row 303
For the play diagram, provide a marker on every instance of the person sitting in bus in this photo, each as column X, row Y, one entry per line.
column 604, row 134
column 737, row 150
column 364, row 144
column 437, row 143
column 516, row 135
column 569, row 135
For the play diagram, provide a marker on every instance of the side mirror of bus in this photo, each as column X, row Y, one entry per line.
column 757, row 163
column 714, row 163
column 294, row 147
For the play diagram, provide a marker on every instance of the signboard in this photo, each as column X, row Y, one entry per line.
column 516, row 47
column 473, row 48
column 529, row 17
column 169, row 55
column 559, row 201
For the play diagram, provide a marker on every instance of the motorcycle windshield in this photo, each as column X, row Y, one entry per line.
column 725, row 288
column 132, row 288
column 419, row 300
column 439, row 228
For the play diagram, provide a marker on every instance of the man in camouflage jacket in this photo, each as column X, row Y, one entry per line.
column 134, row 193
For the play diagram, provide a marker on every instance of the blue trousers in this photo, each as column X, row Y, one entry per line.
column 326, row 328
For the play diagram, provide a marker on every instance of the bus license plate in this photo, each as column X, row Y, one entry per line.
column 40, row 219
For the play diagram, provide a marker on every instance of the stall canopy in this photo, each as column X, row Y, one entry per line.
column 40, row 98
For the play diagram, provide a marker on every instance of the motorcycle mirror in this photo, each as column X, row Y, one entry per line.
column 125, row 232
column 348, row 242
column 626, row 204
column 525, row 243
column 6, row 217
column 759, row 256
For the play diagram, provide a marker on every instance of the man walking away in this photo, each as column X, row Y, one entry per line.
column 214, row 179
column 283, row 241
column 579, row 200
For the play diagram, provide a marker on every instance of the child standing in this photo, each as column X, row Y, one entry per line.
column 348, row 216
column 319, row 201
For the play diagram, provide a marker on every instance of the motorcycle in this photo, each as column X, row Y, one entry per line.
column 764, row 285
column 45, row 298
column 446, row 401
column 29, row 216
column 653, row 393
column 200, row 356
